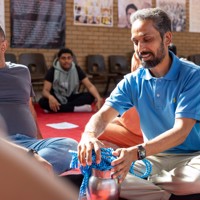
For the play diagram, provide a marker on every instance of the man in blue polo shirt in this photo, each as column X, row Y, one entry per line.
column 166, row 94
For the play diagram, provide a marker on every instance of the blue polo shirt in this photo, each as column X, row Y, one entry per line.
column 160, row 100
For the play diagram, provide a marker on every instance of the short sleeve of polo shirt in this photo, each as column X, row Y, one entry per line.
column 188, row 101
column 124, row 95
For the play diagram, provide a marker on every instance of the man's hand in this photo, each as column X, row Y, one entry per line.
column 54, row 104
column 122, row 164
column 135, row 62
column 85, row 147
column 99, row 104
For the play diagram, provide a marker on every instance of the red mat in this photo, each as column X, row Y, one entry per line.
column 79, row 119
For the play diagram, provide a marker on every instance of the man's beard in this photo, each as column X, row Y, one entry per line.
column 155, row 60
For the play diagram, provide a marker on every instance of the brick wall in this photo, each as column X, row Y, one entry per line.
column 84, row 40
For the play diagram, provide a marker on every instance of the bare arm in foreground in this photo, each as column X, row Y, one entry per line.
column 23, row 177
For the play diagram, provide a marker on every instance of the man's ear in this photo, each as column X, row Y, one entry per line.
column 4, row 46
column 135, row 62
column 168, row 38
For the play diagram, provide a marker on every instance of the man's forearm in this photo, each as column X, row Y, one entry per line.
column 94, row 92
column 46, row 94
column 95, row 126
column 100, row 120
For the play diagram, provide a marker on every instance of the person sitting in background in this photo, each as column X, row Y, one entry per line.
column 17, row 110
column 61, row 87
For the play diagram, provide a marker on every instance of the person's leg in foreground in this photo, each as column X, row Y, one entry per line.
column 54, row 150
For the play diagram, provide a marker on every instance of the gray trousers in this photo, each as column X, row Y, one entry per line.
column 177, row 174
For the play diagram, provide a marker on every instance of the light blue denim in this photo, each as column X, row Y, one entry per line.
column 54, row 150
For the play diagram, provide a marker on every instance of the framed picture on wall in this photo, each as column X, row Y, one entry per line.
column 127, row 7
column 2, row 15
column 176, row 9
column 93, row 12
column 194, row 7
column 38, row 24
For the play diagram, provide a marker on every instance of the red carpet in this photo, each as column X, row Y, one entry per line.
column 79, row 119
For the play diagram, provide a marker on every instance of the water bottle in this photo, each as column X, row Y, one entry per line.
column 102, row 186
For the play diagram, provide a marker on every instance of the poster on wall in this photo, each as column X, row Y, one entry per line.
column 38, row 24
column 93, row 12
column 127, row 7
column 194, row 10
column 176, row 9
column 2, row 15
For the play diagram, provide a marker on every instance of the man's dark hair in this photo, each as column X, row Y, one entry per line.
column 65, row 50
column 161, row 21
column 2, row 33
column 131, row 6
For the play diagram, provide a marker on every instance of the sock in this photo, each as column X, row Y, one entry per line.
column 46, row 111
column 83, row 108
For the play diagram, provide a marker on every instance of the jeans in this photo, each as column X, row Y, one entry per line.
column 54, row 150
